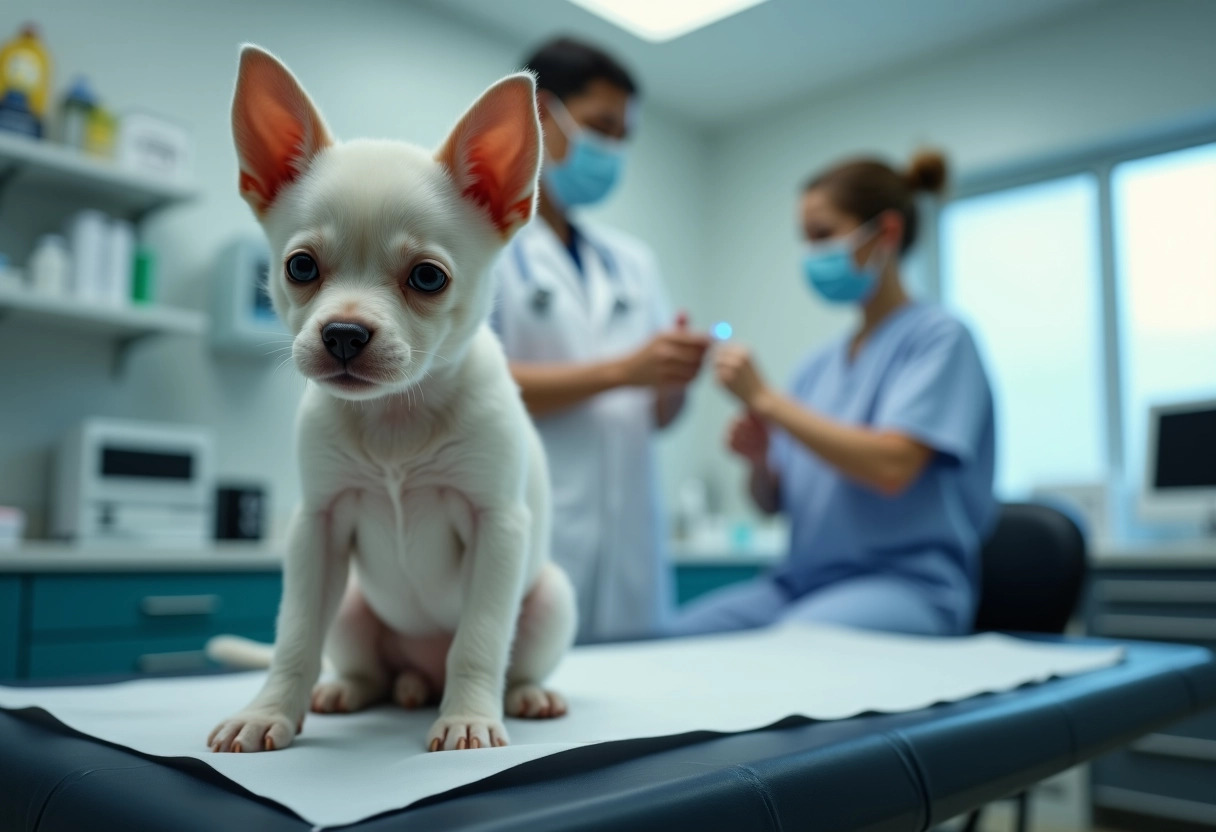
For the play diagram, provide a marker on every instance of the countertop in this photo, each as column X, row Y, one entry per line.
column 62, row 557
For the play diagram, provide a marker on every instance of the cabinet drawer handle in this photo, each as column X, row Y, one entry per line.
column 1163, row 592
column 1156, row 627
column 1114, row 797
column 172, row 662
column 1179, row 747
column 161, row 605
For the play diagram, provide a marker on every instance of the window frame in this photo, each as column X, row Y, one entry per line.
column 1098, row 160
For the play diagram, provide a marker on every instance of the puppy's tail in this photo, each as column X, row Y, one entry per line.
column 237, row 652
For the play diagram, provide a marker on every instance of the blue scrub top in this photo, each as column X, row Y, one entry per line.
column 918, row 374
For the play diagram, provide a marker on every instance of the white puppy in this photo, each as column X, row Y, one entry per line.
column 423, row 479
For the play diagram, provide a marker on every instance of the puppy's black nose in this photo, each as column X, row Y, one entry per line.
column 345, row 340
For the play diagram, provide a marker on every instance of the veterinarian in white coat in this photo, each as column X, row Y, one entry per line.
column 599, row 356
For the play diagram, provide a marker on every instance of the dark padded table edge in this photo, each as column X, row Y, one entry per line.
column 797, row 771
column 1042, row 730
column 877, row 773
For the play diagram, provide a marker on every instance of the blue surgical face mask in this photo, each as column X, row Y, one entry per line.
column 831, row 272
column 592, row 165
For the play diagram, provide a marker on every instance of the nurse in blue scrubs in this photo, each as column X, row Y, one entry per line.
column 881, row 451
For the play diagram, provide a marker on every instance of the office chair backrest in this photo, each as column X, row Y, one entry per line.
column 1034, row 568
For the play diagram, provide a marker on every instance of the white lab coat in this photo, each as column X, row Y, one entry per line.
column 607, row 518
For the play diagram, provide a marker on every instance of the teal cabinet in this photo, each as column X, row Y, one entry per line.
column 693, row 580
column 168, row 654
column 150, row 605
column 60, row 625
column 10, row 623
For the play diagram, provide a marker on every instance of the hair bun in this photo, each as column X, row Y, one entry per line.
column 927, row 172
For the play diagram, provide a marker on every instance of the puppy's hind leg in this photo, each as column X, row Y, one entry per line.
column 547, row 623
column 353, row 649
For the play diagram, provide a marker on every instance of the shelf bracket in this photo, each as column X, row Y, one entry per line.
column 6, row 178
column 136, row 216
column 122, row 352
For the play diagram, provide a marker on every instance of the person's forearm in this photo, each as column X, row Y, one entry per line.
column 765, row 488
column 548, row 388
column 885, row 462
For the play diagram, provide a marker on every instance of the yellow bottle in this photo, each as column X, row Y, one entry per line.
column 25, row 78
column 100, row 131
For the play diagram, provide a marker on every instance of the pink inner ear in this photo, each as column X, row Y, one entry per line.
column 276, row 127
column 492, row 184
column 494, row 153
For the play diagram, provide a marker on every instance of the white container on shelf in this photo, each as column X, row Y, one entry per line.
column 12, row 526
column 88, row 238
column 50, row 266
column 120, row 262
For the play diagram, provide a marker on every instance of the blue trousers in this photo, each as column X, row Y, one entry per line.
column 871, row 602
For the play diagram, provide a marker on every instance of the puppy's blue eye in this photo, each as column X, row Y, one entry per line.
column 302, row 268
column 428, row 278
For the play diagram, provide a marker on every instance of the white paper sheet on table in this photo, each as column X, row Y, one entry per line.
column 343, row 769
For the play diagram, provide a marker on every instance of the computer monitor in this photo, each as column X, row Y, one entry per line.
column 1180, row 474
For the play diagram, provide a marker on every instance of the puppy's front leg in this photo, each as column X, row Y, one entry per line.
column 314, row 577
column 470, row 715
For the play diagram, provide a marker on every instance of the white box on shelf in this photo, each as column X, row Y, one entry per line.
column 154, row 145
column 243, row 321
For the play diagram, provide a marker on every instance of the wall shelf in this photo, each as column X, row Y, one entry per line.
column 47, row 167
column 123, row 326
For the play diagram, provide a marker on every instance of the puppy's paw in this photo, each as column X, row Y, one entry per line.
column 411, row 690
column 345, row 695
column 255, row 729
column 456, row 733
column 530, row 701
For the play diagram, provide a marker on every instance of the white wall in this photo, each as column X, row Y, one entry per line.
column 376, row 68
column 717, row 207
column 1119, row 67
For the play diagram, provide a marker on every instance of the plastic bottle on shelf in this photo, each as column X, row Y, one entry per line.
column 74, row 113
column 50, row 266
column 15, row 115
column 100, row 132
column 120, row 262
column 25, row 80
column 143, row 281
column 88, row 235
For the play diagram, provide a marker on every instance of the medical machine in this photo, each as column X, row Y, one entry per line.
column 134, row 483
column 243, row 321
column 1180, row 470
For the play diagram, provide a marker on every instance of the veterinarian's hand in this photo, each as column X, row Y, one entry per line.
column 738, row 373
column 748, row 437
column 673, row 357
column 255, row 729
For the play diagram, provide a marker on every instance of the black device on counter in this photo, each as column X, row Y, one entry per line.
column 240, row 512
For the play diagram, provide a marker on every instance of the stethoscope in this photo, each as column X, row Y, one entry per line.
column 542, row 296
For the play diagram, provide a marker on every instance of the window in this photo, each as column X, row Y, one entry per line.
column 1165, row 263
column 1022, row 267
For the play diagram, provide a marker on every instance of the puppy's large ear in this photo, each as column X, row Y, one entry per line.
column 277, row 129
column 494, row 152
